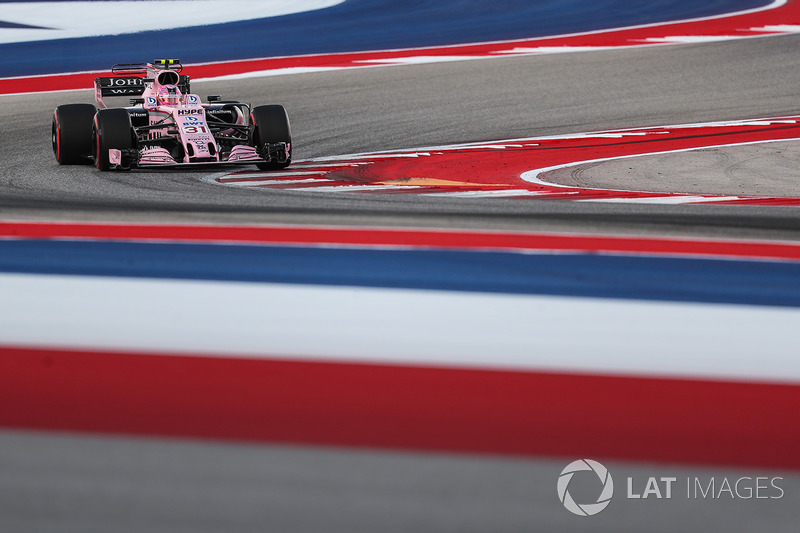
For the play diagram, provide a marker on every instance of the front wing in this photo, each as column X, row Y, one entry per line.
column 161, row 157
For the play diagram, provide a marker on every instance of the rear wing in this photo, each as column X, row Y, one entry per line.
column 130, row 85
column 130, row 79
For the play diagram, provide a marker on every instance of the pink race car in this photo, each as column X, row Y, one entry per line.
column 167, row 125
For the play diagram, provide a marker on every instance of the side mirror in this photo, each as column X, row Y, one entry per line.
column 214, row 98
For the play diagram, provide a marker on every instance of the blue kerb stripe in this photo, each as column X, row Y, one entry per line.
column 607, row 276
column 355, row 25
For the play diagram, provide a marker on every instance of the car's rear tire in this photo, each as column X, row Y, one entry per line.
column 271, row 126
column 72, row 133
column 112, row 129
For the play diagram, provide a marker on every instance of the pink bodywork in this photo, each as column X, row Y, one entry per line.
column 185, row 121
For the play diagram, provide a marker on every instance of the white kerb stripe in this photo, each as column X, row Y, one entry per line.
column 415, row 327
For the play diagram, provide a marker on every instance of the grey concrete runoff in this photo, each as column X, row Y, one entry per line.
column 771, row 169
column 92, row 484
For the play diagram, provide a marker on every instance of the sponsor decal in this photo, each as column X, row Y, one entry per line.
column 192, row 125
column 113, row 92
column 200, row 145
column 126, row 82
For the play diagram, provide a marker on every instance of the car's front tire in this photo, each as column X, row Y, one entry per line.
column 111, row 129
column 271, row 125
column 72, row 133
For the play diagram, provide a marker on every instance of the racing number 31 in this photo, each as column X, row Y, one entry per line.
column 192, row 128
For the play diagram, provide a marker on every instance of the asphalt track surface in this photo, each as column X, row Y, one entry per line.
column 411, row 106
column 90, row 483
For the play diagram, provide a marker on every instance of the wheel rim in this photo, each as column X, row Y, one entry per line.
column 57, row 140
column 97, row 149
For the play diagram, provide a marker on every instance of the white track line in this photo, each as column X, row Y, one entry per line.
column 534, row 176
column 492, row 194
column 400, row 326
column 667, row 200
column 62, row 20
column 355, row 188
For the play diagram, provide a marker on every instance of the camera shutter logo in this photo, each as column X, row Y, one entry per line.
column 585, row 509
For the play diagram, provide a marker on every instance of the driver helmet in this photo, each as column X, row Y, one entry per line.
column 169, row 95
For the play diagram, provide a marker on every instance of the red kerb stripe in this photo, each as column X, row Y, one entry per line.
column 447, row 239
column 361, row 405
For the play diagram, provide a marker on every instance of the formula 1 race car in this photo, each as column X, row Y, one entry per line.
column 167, row 125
